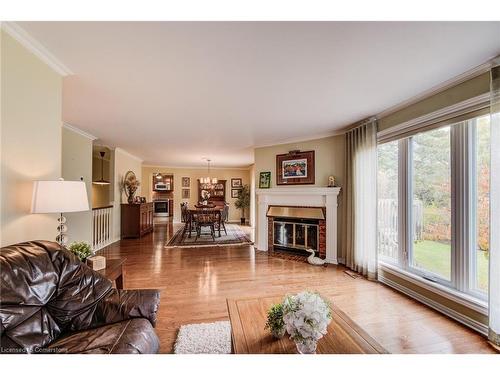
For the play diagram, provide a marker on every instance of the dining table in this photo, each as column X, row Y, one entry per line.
column 203, row 209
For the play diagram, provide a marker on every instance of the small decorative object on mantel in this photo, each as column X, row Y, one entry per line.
column 295, row 168
column 331, row 181
column 306, row 317
column 130, row 185
column 265, row 180
column 275, row 322
column 81, row 249
column 97, row 262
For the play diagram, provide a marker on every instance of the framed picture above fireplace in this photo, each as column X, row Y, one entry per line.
column 295, row 168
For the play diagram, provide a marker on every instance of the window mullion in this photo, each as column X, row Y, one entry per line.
column 404, row 195
column 460, row 207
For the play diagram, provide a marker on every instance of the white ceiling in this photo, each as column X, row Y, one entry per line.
column 175, row 92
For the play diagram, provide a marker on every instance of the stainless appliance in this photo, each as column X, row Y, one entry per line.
column 161, row 207
column 162, row 186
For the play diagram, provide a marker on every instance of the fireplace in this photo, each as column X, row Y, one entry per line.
column 295, row 229
column 322, row 201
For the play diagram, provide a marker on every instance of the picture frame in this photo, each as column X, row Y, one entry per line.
column 186, row 182
column 236, row 183
column 295, row 168
column 264, row 180
column 235, row 193
column 186, row 193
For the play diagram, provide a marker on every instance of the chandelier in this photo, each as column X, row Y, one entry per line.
column 208, row 181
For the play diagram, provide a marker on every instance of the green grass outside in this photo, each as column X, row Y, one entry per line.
column 435, row 257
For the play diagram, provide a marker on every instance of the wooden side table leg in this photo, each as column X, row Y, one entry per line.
column 119, row 282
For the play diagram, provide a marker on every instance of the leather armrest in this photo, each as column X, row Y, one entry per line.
column 120, row 305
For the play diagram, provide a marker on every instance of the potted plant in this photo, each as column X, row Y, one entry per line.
column 243, row 201
column 306, row 317
column 81, row 249
column 275, row 322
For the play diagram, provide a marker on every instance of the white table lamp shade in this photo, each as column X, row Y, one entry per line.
column 59, row 196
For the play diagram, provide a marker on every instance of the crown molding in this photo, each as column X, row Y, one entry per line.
column 129, row 154
column 197, row 167
column 32, row 45
column 304, row 139
column 79, row 131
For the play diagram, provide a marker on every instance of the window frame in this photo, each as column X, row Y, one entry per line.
column 463, row 211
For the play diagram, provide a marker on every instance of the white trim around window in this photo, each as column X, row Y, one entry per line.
column 462, row 283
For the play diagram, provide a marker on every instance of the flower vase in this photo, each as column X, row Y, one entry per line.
column 130, row 199
column 306, row 346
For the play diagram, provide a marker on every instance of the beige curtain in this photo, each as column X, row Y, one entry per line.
column 360, row 206
column 494, row 256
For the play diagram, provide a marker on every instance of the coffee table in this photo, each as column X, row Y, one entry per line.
column 248, row 318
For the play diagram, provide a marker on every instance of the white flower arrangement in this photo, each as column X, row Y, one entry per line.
column 306, row 316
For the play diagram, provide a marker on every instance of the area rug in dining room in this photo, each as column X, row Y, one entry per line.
column 235, row 236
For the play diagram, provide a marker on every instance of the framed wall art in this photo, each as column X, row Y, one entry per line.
column 236, row 183
column 265, row 180
column 186, row 193
column 295, row 168
column 186, row 182
column 235, row 193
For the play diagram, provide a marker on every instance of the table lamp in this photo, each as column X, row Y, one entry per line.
column 59, row 197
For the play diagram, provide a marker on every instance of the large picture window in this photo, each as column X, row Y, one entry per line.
column 480, row 198
column 430, row 173
column 388, row 207
column 433, row 204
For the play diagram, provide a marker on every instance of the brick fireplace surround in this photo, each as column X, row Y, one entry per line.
column 308, row 197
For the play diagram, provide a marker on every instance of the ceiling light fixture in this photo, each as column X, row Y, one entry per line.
column 102, row 181
column 208, row 181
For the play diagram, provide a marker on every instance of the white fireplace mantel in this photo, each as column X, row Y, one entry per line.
column 300, row 196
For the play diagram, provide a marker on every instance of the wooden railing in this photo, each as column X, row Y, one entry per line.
column 101, row 227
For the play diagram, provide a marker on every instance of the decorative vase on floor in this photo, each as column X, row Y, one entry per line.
column 306, row 346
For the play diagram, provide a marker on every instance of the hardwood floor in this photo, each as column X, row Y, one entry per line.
column 195, row 284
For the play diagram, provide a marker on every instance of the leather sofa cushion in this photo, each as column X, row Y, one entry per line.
column 133, row 336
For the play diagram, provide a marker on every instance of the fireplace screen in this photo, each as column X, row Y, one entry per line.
column 295, row 235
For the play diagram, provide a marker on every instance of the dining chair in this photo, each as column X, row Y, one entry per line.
column 186, row 218
column 205, row 218
column 221, row 224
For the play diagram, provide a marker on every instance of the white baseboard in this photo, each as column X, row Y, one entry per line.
column 471, row 323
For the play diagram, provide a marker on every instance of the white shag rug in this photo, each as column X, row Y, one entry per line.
column 204, row 338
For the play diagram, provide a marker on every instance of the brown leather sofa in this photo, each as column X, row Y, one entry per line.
column 50, row 302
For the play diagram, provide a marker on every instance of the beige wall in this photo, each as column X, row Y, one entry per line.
column 456, row 94
column 30, row 140
column 76, row 163
column 252, row 195
column 195, row 174
column 122, row 162
column 329, row 160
